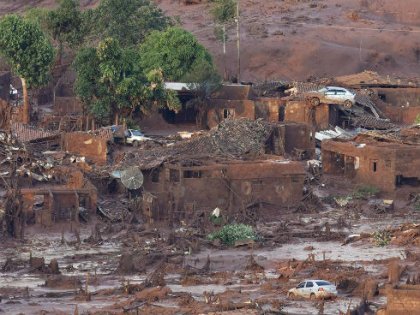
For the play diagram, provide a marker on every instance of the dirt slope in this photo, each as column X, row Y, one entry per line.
column 296, row 39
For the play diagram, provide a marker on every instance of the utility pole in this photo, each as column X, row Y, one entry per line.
column 224, row 53
column 238, row 44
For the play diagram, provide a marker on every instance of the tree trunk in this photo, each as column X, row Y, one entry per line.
column 26, row 118
column 60, row 52
column 116, row 118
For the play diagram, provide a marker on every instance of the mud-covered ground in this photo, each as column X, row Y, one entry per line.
column 112, row 268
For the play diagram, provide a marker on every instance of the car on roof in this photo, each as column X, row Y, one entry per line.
column 313, row 289
column 134, row 137
column 128, row 136
column 332, row 95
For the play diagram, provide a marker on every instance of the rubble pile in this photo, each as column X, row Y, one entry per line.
column 270, row 88
column 12, row 152
column 410, row 136
column 232, row 138
column 407, row 234
column 370, row 122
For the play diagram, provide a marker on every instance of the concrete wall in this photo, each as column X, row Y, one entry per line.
column 236, row 108
column 301, row 137
column 302, row 112
column 243, row 183
column 403, row 104
column 399, row 97
column 401, row 115
column 269, row 109
column 403, row 301
column 84, row 144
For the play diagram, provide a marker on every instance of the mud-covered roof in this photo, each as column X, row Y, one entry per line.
column 231, row 139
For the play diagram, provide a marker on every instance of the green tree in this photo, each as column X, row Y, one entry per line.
column 175, row 51
column 111, row 83
column 224, row 13
column 38, row 16
column 66, row 25
column 202, row 80
column 29, row 53
column 130, row 20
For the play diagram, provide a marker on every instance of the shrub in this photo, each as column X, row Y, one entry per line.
column 216, row 220
column 231, row 233
column 382, row 238
column 417, row 120
column 365, row 191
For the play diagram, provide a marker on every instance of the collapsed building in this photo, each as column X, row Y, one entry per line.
column 386, row 160
column 180, row 189
column 397, row 98
column 281, row 101
column 239, row 166
column 39, row 186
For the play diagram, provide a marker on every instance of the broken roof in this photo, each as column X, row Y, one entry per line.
column 26, row 133
column 371, row 78
column 409, row 135
column 231, row 139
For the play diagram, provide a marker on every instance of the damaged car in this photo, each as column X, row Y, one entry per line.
column 332, row 95
column 313, row 289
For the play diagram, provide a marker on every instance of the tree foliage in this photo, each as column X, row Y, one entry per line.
column 175, row 51
column 66, row 24
column 223, row 11
column 26, row 48
column 38, row 16
column 202, row 80
column 130, row 21
column 111, row 83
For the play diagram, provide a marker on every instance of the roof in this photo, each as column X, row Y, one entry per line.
column 177, row 86
column 232, row 139
column 371, row 78
column 26, row 133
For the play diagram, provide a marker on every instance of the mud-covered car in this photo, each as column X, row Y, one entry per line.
column 313, row 289
column 331, row 95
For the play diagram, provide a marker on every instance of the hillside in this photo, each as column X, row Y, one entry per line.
column 297, row 39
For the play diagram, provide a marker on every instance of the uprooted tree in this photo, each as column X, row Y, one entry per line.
column 29, row 53
column 111, row 83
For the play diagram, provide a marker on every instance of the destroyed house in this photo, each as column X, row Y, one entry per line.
column 180, row 189
column 239, row 165
column 230, row 102
column 56, row 196
column 387, row 165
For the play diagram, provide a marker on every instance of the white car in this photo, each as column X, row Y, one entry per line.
column 134, row 137
column 313, row 289
column 332, row 95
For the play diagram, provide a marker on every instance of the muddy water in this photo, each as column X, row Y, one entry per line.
column 23, row 292
column 231, row 259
